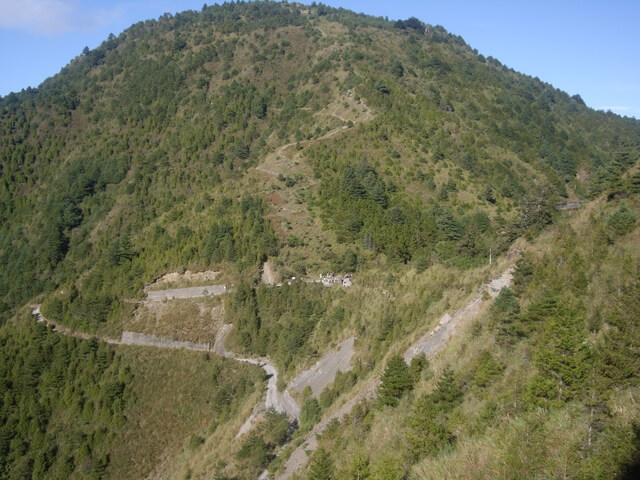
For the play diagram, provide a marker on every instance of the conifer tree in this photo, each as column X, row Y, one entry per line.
column 396, row 380
column 321, row 466
column 622, row 221
column 359, row 468
column 426, row 433
column 309, row 414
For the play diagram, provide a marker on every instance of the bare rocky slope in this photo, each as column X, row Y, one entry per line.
column 430, row 344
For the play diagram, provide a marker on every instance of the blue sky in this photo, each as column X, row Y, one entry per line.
column 581, row 46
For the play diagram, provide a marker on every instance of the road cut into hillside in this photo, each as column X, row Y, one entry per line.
column 430, row 344
column 325, row 369
column 187, row 292
column 434, row 340
column 281, row 402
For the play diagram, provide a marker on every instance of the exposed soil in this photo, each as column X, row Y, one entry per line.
column 430, row 344
column 433, row 341
column 275, row 198
column 186, row 279
column 133, row 338
column 188, row 292
column 324, row 371
column 268, row 275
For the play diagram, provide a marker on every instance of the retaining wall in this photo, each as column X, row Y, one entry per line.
column 132, row 338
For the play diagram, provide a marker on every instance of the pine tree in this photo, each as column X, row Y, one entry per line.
column 622, row 221
column 426, row 433
column 504, row 312
column 379, row 194
column 418, row 364
column 359, row 468
column 368, row 241
column 389, row 467
column 450, row 227
column 447, row 393
column 564, row 354
column 321, row 466
column 635, row 183
column 395, row 381
column 351, row 183
column 309, row 414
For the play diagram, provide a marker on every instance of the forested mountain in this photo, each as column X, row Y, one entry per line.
column 318, row 140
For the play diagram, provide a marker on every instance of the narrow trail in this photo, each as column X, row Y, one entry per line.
column 429, row 344
column 280, row 153
column 281, row 402
column 282, row 156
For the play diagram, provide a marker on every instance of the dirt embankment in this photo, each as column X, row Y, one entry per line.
column 187, row 279
column 132, row 338
column 268, row 275
column 434, row 340
column 184, row 312
column 430, row 344
column 324, row 371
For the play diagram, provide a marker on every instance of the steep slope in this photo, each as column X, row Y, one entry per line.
column 133, row 155
column 314, row 140
column 544, row 383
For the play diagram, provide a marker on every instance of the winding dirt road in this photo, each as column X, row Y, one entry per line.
column 281, row 402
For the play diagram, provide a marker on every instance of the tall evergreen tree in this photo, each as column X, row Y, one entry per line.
column 321, row 466
column 395, row 381
column 359, row 468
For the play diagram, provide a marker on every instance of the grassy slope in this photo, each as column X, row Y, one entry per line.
column 501, row 428
column 178, row 396
column 167, row 402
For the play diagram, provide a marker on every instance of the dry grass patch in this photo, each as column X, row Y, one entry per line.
column 176, row 394
column 186, row 279
column 193, row 319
